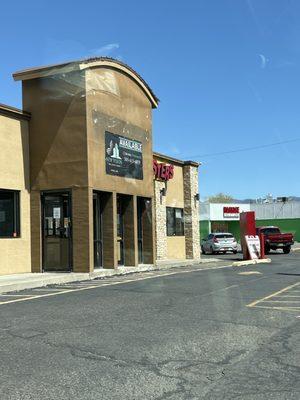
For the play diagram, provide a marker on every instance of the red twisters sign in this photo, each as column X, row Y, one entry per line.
column 163, row 171
column 231, row 212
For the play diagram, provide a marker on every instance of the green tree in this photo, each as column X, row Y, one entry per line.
column 221, row 198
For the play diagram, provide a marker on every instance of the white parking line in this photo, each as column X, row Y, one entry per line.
column 56, row 293
column 15, row 295
column 45, row 289
column 283, row 300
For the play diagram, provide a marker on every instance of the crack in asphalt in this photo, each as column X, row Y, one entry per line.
column 264, row 362
column 244, row 361
column 186, row 372
column 175, row 369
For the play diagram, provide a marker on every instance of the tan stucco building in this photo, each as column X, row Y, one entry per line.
column 78, row 186
column 14, row 191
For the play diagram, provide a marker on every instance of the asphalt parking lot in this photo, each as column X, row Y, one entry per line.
column 239, row 256
column 225, row 333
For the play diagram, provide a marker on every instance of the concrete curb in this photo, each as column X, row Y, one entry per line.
column 251, row 262
column 15, row 283
column 184, row 263
column 296, row 249
column 46, row 279
column 40, row 281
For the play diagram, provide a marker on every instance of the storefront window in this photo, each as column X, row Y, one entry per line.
column 175, row 225
column 9, row 214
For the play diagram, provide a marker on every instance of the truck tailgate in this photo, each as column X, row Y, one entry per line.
column 280, row 237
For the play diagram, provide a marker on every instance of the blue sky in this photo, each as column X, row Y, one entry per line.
column 226, row 72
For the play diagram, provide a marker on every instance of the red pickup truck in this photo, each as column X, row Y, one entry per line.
column 274, row 239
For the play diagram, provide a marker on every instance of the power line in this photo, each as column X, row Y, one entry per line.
column 262, row 146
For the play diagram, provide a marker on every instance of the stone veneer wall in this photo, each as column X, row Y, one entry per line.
column 191, row 212
column 160, row 221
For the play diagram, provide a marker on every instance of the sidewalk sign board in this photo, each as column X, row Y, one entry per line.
column 253, row 245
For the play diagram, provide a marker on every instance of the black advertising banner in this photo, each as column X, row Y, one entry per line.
column 123, row 156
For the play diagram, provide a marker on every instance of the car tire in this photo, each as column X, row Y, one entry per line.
column 202, row 250
column 234, row 251
column 287, row 249
column 267, row 249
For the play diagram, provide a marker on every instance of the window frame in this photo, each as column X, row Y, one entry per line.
column 16, row 234
column 171, row 211
column 270, row 231
column 224, row 236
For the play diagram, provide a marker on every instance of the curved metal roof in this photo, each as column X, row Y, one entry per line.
column 48, row 70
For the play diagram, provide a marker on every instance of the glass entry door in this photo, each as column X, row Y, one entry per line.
column 56, row 223
column 120, row 230
column 144, row 225
column 97, row 211
column 140, row 211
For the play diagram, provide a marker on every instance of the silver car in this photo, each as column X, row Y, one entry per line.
column 219, row 243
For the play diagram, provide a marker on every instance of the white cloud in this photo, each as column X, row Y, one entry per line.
column 56, row 51
column 264, row 60
column 104, row 50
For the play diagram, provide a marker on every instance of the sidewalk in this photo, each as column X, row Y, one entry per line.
column 296, row 246
column 17, row 282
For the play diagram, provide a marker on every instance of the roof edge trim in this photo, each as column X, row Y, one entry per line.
column 42, row 72
column 176, row 160
column 13, row 112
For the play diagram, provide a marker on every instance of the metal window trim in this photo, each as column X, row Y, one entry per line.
column 16, row 213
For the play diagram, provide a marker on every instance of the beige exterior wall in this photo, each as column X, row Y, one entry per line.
column 175, row 195
column 160, row 221
column 175, row 192
column 57, row 129
column 71, row 113
column 118, row 105
column 176, row 248
column 191, row 212
column 169, row 247
column 58, row 154
column 14, row 174
column 181, row 192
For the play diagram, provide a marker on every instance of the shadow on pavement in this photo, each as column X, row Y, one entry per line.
column 285, row 273
column 223, row 257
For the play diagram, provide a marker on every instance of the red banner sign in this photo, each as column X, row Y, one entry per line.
column 163, row 171
column 231, row 212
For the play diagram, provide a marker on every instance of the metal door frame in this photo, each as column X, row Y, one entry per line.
column 100, row 222
column 57, row 192
column 121, row 263
column 140, row 235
